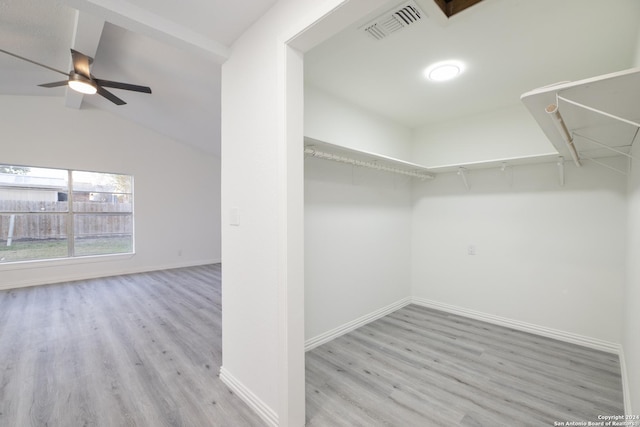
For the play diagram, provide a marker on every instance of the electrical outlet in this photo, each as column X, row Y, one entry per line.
column 471, row 250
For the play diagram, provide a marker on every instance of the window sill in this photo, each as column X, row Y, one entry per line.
column 28, row 265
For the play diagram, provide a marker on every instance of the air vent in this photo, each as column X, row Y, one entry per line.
column 393, row 20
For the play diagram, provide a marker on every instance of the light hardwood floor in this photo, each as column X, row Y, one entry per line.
column 422, row 367
column 137, row 350
column 145, row 350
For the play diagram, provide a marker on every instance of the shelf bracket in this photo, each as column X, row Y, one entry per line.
column 603, row 164
column 507, row 172
column 595, row 110
column 561, row 170
column 462, row 173
column 601, row 145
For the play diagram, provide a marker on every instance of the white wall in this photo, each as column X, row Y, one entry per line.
column 262, row 176
column 542, row 248
column 259, row 156
column 549, row 257
column 630, row 341
column 357, row 243
column 495, row 135
column 250, row 185
column 177, row 196
column 546, row 255
column 333, row 120
column 357, row 221
column 255, row 182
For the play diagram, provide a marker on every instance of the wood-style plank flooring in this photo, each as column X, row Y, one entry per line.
column 422, row 367
column 145, row 350
column 135, row 350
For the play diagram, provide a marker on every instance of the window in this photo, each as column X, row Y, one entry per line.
column 55, row 213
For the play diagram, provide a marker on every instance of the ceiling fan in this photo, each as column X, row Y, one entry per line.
column 81, row 80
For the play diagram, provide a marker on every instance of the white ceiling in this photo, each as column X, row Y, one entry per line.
column 176, row 48
column 37, row 30
column 223, row 21
column 509, row 47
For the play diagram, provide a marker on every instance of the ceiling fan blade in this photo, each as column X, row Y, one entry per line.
column 125, row 86
column 33, row 62
column 55, row 84
column 111, row 97
column 81, row 63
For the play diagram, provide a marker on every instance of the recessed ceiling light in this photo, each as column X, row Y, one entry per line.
column 443, row 71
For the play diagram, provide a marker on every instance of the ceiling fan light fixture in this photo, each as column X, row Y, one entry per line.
column 443, row 71
column 81, row 84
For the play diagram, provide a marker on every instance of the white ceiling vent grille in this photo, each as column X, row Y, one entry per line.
column 394, row 20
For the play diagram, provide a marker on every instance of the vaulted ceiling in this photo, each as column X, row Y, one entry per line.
column 176, row 48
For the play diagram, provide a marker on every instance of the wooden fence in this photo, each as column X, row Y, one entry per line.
column 48, row 220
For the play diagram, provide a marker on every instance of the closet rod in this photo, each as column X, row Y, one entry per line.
column 552, row 110
column 372, row 165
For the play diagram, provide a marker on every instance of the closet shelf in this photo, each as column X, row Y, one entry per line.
column 338, row 153
column 592, row 118
column 328, row 151
column 496, row 163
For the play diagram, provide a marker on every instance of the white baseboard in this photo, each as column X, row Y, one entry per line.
column 267, row 414
column 626, row 392
column 48, row 279
column 569, row 337
column 354, row 324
